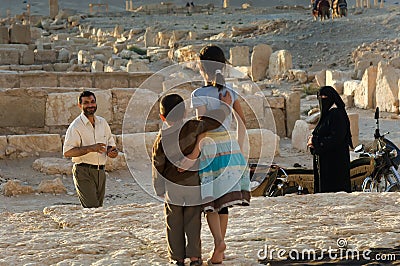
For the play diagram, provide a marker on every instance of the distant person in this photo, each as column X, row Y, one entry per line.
column 181, row 190
column 315, row 4
column 89, row 141
column 329, row 144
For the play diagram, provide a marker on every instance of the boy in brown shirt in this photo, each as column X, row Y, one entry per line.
column 181, row 190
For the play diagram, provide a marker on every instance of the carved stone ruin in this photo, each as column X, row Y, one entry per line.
column 53, row 8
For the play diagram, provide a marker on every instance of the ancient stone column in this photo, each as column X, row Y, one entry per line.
column 130, row 5
column 53, row 8
column 369, row 3
column 381, row 4
column 358, row 3
column 126, row 5
column 226, row 4
column 28, row 13
column 375, row 3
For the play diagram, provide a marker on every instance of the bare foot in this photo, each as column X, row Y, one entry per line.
column 218, row 254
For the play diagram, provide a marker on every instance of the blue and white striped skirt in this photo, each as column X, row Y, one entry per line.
column 224, row 174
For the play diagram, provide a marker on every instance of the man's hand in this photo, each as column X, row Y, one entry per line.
column 98, row 147
column 112, row 152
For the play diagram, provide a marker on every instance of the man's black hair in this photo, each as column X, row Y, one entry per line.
column 85, row 94
column 172, row 107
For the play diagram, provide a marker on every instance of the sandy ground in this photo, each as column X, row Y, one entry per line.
column 314, row 46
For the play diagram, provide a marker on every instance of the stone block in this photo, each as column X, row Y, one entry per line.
column 292, row 111
column 238, row 72
column 9, row 80
column 336, row 79
column 53, row 8
column 84, row 57
column 320, row 78
column 38, row 79
column 14, row 188
column 262, row 144
column 9, row 56
column 54, row 186
column 338, row 86
column 45, row 56
column 147, row 81
column 62, row 109
column 240, row 56
column 103, row 50
column 277, row 102
column 111, row 80
column 120, row 100
column 395, row 62
column 187, row 53
column 53, row 166
column 354, row 127
column 22, row 108
column 150, row 38
column 279, row 63
column 175, row 85
column 138, row 145
column 260, row 61
column 19, row 47
column 350, row 87
column 253, row 109
column 76, row 80
column 163, row 39
column 35, row 143
column 36, row 33
column 364, row 95
column 20, row 33
column 141, row 111
column 387, row 90
column 27, row 57
column 280, row 125
column 248, row 87
column 97, row 66
column 364, row 61
column 299, row 75
column 63, row 55
column 300, row 134
column 3, row 146
column 119, row 47
column 348, row 100
column 61, row 67
column 137, row 66
column 4, row 37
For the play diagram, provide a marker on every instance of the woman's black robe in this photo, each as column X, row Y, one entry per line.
column 331, row 158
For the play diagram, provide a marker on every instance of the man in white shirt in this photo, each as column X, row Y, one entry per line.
column 89, row 141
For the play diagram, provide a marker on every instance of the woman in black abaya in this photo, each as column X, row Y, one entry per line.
column 330, row 143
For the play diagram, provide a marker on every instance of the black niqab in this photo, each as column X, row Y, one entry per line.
column 332, row 97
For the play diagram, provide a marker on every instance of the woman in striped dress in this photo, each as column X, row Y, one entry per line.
column 223, row 170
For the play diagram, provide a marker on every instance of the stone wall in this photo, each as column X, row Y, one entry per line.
column 262, row 143
column 76, row 80
column 52, row 105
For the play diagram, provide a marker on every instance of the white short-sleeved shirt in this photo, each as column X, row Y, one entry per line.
column 82, row 133
column 208, row 96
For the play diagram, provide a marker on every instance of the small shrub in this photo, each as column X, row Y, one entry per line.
column 137, row 50
column 310, row 90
